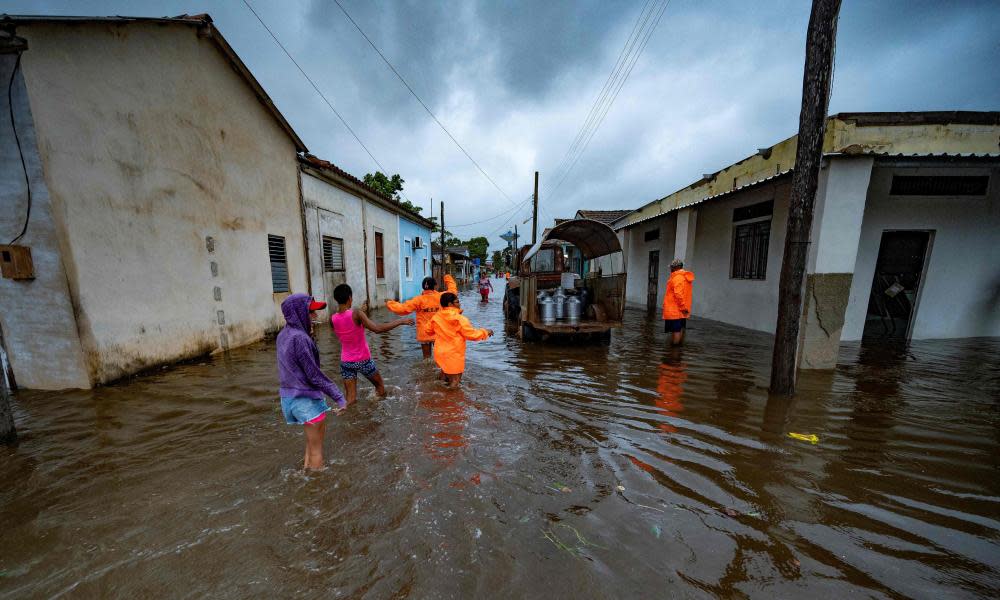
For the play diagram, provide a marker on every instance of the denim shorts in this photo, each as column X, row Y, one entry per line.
column 299, row 410
column 350, row 370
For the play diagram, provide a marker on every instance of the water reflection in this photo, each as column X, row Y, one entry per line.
column 629, row 470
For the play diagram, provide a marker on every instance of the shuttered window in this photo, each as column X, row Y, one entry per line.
column 279, row 263
column 409, row 275
column 379, row 257
column 333, row 254
column 750, row 241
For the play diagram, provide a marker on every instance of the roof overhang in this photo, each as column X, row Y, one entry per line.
column 593, row 238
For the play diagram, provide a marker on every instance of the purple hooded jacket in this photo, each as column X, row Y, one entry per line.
column 299, row 374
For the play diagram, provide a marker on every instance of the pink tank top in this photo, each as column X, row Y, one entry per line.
column 353, row 345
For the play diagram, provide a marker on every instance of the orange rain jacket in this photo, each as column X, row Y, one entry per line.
column 425, row 305
column 677, row 299
column 451, row 329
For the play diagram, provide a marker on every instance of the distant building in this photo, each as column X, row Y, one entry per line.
column 165, row 215
column 905, row 240
column 359, row 236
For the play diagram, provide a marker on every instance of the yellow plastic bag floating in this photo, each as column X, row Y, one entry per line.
column 812, row 438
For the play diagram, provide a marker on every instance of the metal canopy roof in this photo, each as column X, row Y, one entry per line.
column 593, row 238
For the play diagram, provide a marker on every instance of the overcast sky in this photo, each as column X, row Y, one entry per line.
column 514, row 81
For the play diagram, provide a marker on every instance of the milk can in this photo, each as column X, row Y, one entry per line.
column 559, row 299
column 574, row 308
column 546, row 308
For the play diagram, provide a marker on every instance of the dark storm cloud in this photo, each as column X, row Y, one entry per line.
column 513, row 81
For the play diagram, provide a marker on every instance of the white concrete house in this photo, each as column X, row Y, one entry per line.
column 352, row 234
column 905, row 240
column 165, row 214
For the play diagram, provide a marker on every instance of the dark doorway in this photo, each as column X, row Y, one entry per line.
column 652, row 289
column 898, row 270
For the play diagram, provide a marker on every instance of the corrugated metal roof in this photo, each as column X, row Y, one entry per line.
column 593, row 238
column 604, row 216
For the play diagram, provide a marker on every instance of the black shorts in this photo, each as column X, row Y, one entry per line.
column 674, row 325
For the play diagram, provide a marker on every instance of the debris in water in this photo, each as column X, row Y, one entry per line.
column 479, row 533
column 812, row 438
column 732, row 512
column 577, row 550
column 560, row 488
column 657, row 531
column 621, row 488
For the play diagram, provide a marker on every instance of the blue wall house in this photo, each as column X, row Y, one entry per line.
column 414, row 254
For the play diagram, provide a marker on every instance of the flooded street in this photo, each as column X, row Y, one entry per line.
column 557, row 471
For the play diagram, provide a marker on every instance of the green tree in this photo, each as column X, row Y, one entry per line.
column 498, row 260
column 478, row 247
column 391, row 187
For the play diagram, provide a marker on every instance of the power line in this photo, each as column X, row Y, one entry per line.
column 620, row 85
column 426, row 108
column 313, row 84
column 505, row 212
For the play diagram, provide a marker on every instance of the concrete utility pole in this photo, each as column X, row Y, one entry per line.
column 534, row 215
column 441, row 285
column 820, row 43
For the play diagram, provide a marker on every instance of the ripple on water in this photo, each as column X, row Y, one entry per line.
column 566, row 471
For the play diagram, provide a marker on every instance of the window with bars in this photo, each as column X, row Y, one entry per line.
column 333, row 254
column 379, row 257
column 279, row 263
column 750, row 241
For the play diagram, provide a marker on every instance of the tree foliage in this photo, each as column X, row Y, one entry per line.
column 391, row 187
column 478, row 247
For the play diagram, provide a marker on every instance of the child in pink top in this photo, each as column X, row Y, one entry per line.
column 355, row 357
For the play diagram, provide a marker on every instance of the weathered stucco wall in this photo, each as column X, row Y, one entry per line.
column 36, row 316
column 959, row 295
column 386, row 223
column 743, row 302
column 151, row 143
column 637, row 258
column 333, row 211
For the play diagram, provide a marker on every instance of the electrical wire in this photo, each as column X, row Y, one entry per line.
column 20, row 151
column 315, row 87
column 505, row 212
column 422, row 103
column 618, row 89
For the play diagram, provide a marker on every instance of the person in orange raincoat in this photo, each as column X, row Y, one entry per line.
column 450, row 330
column 426, row 305
column 677, row 302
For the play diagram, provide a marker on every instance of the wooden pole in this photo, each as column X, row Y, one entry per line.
column 441, row 285
column 818, row 73
column 8, row 434
column 534, row 214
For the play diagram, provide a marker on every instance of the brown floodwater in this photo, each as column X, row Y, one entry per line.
column 557, row 471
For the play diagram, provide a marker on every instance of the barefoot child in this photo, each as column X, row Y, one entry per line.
column 450, row 330
column 355, row 357
column 301, row 382
column 426, row 306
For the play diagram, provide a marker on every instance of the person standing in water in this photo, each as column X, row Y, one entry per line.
column 677, row 302
column 426, row 305
column 355, row 357
column 301, row 383
column 485, row 286
column 451, row 329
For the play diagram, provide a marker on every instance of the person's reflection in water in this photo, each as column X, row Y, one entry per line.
column 670, row 388
column 448, row 419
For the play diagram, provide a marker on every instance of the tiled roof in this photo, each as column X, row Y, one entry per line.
column 604, row 216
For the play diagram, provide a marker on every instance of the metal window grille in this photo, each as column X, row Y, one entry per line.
column 279, row 263
column 652, row 234
column 939, row 185
column 379, row 257
column 333, row 254
column 750, row 242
